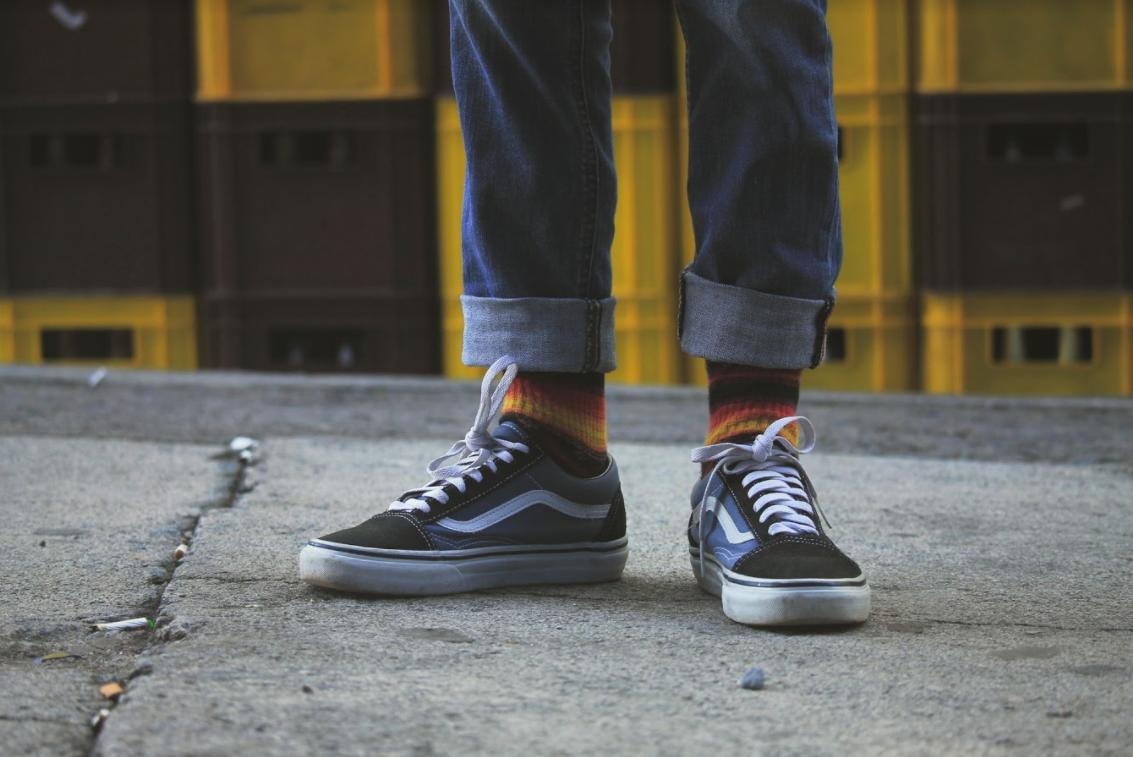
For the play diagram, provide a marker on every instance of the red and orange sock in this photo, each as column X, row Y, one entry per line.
column 743, row 400
column 565, row 413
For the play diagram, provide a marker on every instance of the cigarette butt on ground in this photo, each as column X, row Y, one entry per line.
column 180, row 552
column 96, row 378
column 122, row 625
column 101, row 715
column 111, row 690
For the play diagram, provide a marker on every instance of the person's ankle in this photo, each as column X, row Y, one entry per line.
column 565, row 415
column 744, row 400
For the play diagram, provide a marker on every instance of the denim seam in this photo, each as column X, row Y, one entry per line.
column 688, row 57
column 589, row 225
column 820, row 333
column 835, row 217
column 681, row 304
column 590, row 361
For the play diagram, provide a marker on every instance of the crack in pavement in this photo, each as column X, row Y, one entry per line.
column 34, row 719
column 235, row 471
column 975, row 624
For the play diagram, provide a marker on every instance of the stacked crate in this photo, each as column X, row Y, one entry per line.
column 644, row 252
column 1024, row 164
column 316, row 165
column 96, row 236
column 872, row 330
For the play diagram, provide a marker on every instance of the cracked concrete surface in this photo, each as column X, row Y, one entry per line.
column 1003, row 618
column 89, row 533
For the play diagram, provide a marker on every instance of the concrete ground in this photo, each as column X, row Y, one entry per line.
column 996, row 535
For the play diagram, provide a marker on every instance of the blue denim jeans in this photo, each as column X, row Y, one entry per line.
column 532, row 82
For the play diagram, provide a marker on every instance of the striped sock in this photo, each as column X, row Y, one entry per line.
column 565, row 413
column 742, row 401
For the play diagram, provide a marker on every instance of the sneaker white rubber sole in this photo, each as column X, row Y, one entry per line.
column 412, row 573
column 784, row 602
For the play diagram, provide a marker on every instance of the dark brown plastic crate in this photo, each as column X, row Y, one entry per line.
column 342, row 333
column 96, row 198
column 1024, row 191
column 95, row 50
column 327, row 206
column 642, row 53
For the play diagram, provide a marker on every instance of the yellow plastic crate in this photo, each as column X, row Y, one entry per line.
column 871, row 46
column 1024, row 45
column 450, row 197
column 313, row 49
column 643, row 257
column 1018, row 343
column 7, row 331
column 870, row 346
column 875, row 195
column 162, row 330
column 874, row 190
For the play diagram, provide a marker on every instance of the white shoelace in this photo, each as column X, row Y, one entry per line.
column 478, row 449
column 774, row 479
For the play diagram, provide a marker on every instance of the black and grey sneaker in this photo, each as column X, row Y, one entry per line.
column 502, row 514
column 757, row 542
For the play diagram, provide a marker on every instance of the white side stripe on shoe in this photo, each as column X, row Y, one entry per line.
column 724, row 518
column 519, row 504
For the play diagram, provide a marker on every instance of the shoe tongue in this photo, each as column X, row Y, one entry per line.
column 510, row 431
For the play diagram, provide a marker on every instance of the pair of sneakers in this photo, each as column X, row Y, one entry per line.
column 499, row 511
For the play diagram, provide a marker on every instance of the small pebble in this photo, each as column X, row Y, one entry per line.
column 43, row 544
column 753, row 679
column 307, row 689
column 99, row 718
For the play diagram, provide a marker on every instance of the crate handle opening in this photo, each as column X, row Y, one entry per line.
column 835, row 345
column 86, row 344
column 316, row 348
column 82, row 150
column 306, row 148
column 1042, row 344
column 1038, row 142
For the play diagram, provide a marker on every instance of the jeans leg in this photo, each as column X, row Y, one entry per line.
column 532, row 82
column 763, row 182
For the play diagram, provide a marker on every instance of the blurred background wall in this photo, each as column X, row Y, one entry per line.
column 276, row 185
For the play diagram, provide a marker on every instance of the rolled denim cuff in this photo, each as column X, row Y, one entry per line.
column 542, row 333
column 731, row 324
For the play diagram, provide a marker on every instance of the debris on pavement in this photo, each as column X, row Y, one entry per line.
column 243, row 447
column 307, row 689
column 753, row 679
column 98, row 719
column 123, row 625
column 55, row 656
column 111, row 690
column 97, row 377
column 181, row 551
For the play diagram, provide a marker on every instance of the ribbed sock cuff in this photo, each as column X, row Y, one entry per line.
column 743, row 400
column 566, row 415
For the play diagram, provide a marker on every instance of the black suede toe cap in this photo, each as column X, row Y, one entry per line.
column 793, row 557
column 385, row 531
